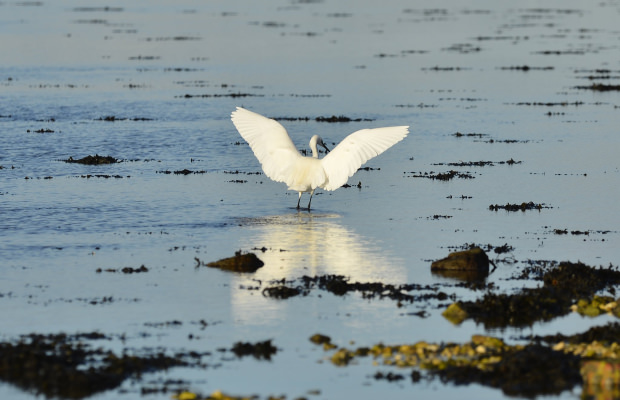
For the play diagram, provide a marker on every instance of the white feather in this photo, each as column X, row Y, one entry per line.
column 282, row 162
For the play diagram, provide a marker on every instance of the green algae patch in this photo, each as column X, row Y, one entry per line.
column 566, row 287
column 247, row 262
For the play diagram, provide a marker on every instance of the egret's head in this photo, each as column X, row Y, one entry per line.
column 316, row 140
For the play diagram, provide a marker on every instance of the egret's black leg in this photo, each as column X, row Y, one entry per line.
column 298, row 200
column 310, row 201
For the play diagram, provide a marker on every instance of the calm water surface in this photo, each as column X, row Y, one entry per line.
column 153, row 85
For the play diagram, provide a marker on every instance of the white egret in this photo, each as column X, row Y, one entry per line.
column 281, row 161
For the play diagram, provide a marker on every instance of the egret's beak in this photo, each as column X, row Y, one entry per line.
column 325, row 147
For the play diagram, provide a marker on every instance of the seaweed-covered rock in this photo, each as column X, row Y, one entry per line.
column 530, row 371
column 563, row 286
column 468, row 260
column 239, row 263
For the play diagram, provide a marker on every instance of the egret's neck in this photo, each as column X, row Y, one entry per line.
column 313, row 142
column 315, row 152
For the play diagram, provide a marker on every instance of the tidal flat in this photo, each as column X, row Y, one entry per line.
column 123, row 180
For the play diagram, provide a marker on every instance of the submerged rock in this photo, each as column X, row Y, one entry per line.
column 469, row 260
column 239, row 263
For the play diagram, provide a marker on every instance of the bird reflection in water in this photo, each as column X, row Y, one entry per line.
column 300, row 244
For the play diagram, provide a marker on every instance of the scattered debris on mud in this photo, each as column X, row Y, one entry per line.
column 247, row 262
column 93, row 160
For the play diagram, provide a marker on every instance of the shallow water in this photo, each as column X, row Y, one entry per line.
column 170, row 73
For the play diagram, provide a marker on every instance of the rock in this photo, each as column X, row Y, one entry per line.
column 320, row 339
column 601, row 378
column 455, row 313
column 469, row 260
column 239, row 263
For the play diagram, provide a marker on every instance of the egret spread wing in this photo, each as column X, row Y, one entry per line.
column 270, row 142
column 357, row 148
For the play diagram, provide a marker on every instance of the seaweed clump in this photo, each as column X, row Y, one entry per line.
column 529, row 371
column 93, row 160
column 518, row 207
column 517, row 370
column 57, row 366
column 563, row 287
column 340, row 285
column 259, row 350
column 442, row 176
